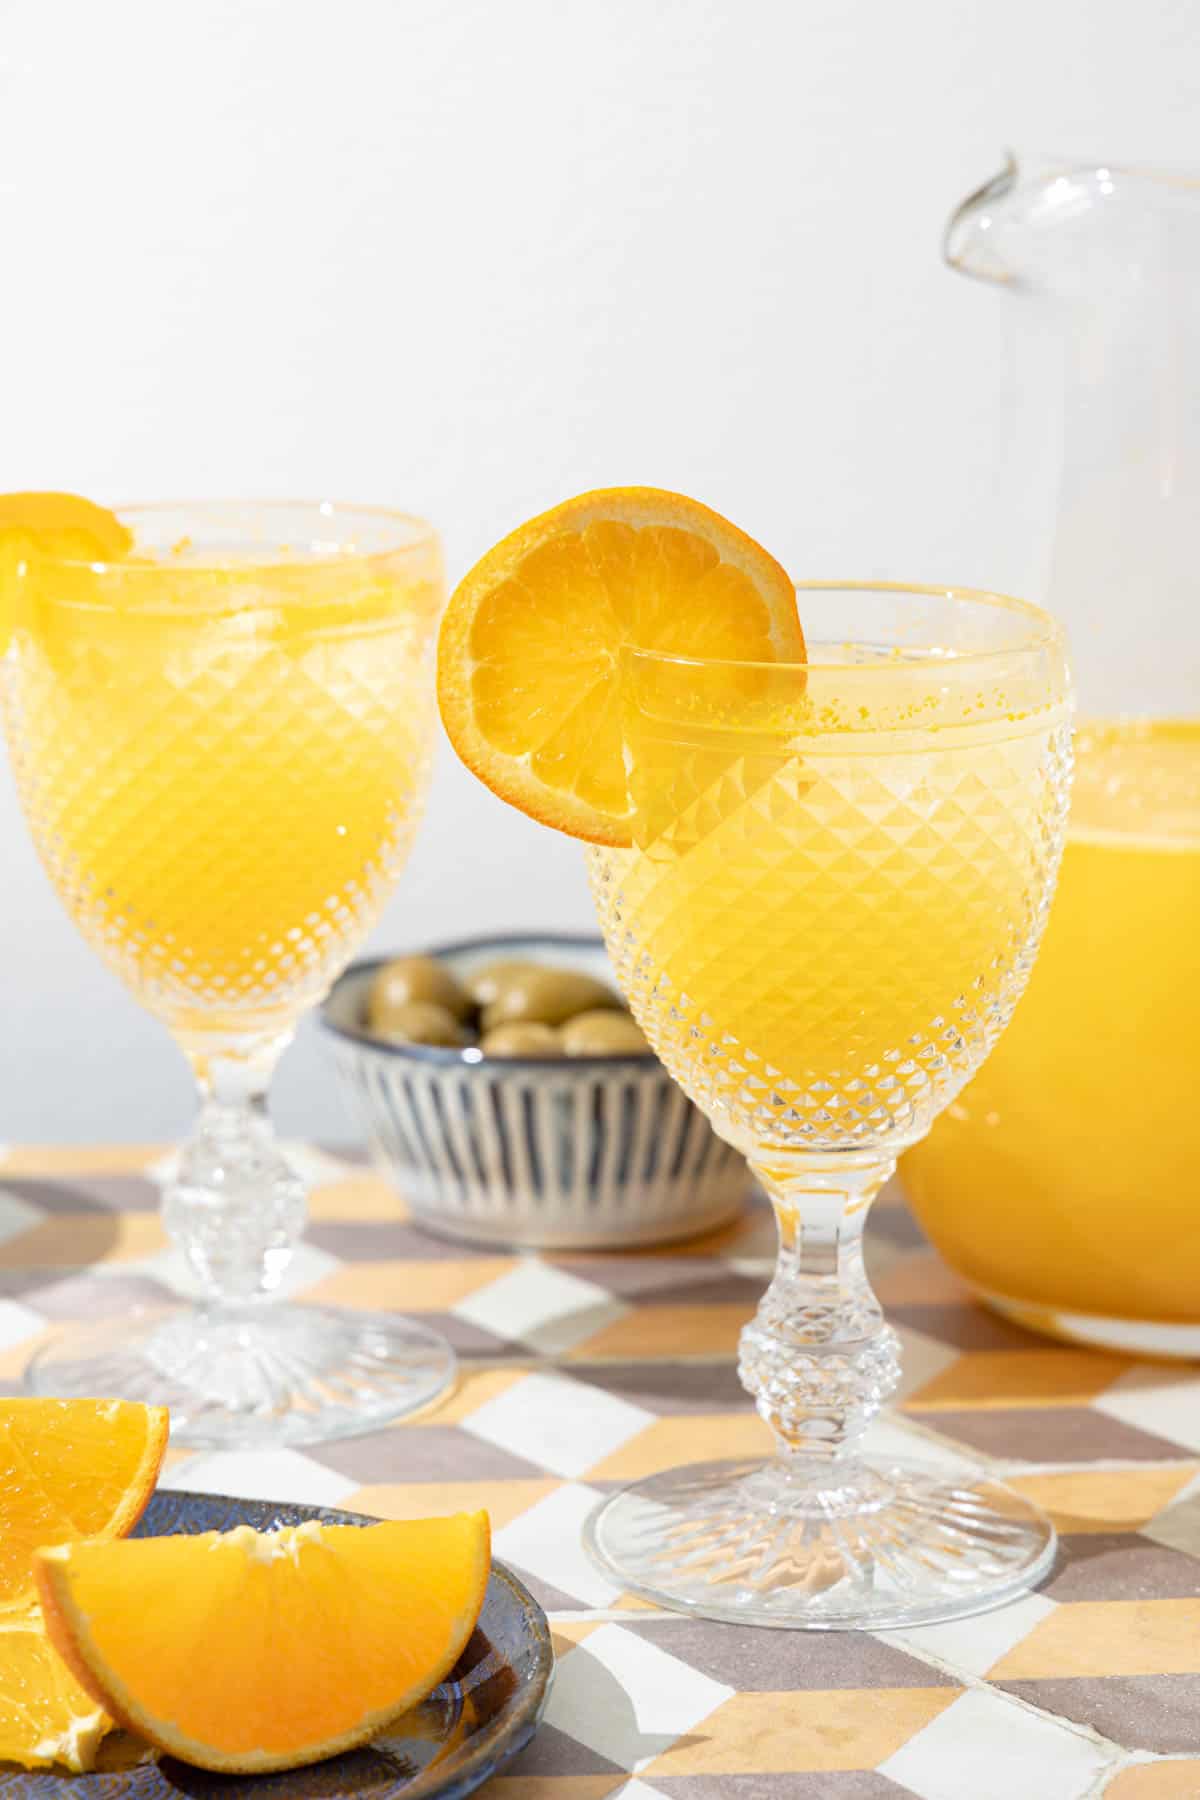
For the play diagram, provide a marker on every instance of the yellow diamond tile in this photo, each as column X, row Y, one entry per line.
column 1105, row 1499
column 568, row 1634
column 685, row 1439
column 841, row 1728
column 1107, row 1637
column 364, row 1199
column 1157, row 1781
column 92, row 1159
column 1014, row 1378
column 473, row 1388
column 410, row 1286
column 502, row 1500
column 69, row 1240
column 15, row 1357
column 670, row 1331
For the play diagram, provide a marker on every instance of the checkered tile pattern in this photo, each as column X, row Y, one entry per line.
column 584, row 1371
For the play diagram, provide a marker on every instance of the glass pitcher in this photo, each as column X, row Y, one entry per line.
column 1065, row 1183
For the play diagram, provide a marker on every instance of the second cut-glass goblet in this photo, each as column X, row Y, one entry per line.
column 221, row 743
column 838, row 882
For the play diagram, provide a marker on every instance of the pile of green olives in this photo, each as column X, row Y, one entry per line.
column 513, row 1007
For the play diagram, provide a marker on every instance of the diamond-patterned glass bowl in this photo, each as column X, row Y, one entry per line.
column 564, row 1153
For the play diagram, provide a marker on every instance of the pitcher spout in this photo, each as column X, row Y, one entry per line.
column 1057, row 225
column 972, row 242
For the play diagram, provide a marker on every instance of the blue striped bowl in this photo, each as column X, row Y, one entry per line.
column 596, row 1152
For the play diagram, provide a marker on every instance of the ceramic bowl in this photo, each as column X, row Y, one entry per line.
column 590, row 1152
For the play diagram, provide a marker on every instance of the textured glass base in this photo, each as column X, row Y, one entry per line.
column 1141, row 1337
column 256, row 1376
column 753, row 1544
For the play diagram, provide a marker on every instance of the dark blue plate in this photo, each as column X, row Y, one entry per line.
column 479, row 1717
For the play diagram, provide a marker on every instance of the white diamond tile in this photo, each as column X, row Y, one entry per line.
column 629, row 1700
column 1177, row 1526
column 1156, row 1400
column 17, row 1323
column 562, row 1425
column 545, row 1308
column 546, row 1542
column 989, row 1748
column 890, row 1439
column 921, row 1359
column 972, row 1646
column 17, row 1216
column 261, row 1475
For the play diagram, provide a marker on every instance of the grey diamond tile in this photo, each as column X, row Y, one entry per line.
column 1051, row 1434
column 755, row 1661
column 669, row 1387
column 554, row 1752
column 365, row 1240
column 965, row 1326
column 1122, row 1565
column 1140, row 1712
column 422, row 1453
column 666, row 1280
column 88, row 1297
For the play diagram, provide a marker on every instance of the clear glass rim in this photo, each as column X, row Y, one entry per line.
column 1045, row 633
column 400, row 533
column 1047, row 165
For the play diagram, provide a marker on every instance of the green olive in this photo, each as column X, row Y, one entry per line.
column 523, row 1038
column 548, row 996
column 424, row 1022
column 495, row 978
column 603, row 1034
column 414, row 979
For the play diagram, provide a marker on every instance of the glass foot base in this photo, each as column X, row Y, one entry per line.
column 1139, row 1337
column 257, row 1376
column 751, row 1544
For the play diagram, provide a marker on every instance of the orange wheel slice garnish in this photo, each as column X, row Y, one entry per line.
column 529, row 646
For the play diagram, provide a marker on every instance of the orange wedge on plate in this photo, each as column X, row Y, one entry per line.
column 45, row 1716
column 529, row 646
column 249, row 1651
column 70, row 1469
column 63, row 525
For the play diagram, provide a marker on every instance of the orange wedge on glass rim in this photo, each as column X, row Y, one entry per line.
column 529, row 645
column 249, row 1651
column 63, row 525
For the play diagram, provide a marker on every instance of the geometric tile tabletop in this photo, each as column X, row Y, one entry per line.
column 580, row 1372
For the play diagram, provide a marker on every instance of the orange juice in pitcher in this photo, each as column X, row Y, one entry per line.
column 1064, row 1183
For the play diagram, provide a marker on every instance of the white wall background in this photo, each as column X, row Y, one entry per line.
column 471, row 256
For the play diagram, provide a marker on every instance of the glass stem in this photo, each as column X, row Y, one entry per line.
column 235, row 1206
column 817, row 1356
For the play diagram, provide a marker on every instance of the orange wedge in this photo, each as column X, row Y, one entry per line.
column 70, row 1469
column 63, row 525
column 528, row 653
column 45, row 1716
column 249, row 1651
